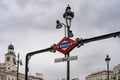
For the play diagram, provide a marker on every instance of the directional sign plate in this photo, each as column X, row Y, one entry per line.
column 65, row 45
column 66, row 59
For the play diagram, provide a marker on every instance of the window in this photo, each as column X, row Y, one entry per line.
column 8, row 78
column 118, row 77
column 8, row 58
column 118, row 71
column 14, row 61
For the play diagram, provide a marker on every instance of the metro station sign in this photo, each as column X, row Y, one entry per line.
column 65, row 45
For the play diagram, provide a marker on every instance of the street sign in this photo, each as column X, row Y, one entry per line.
column 66, row 59
column 60, row 60
column 72, row 58
column 65, row 45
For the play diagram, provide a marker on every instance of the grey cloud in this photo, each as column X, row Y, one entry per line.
column 30, row 24
column 22, row 3
column 31, row 17
column 100, row 14
column 3, row 6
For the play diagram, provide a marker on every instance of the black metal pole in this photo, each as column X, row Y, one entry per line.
column 115, row 34
column 26, row 66
column 28, row 56
column 68, row 55
column 68, row 68
column 107, row 59
column 108, row 70
column 18, row 67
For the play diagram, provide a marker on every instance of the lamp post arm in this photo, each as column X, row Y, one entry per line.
column 28, row 56
column 63, row 24
column 115, row 34
column 64, row 28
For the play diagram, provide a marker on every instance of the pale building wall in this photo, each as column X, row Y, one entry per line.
column 100, row 76
column 10, row 65
column 116, row 70
column 75, row 79
column 8, row 68
column 39, row 75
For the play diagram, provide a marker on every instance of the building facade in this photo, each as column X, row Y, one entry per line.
column 75, row 79
column 116, row 70
column 100, row 76
column 113, row 75
column 8, row 69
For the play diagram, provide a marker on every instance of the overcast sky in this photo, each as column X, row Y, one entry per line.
column 30, row 25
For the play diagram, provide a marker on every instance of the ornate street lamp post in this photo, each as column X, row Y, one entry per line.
column 68, row 16
column 107, row 59
column 18, row 62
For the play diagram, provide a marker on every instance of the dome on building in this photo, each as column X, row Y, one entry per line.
column 11, row 47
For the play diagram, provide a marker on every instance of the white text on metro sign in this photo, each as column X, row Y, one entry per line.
column 64, row 45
